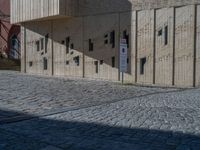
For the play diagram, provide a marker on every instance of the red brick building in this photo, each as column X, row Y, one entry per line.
column 9, row 34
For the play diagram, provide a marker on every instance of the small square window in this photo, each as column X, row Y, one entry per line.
column 105, row 41
column 160, row 32
column 63, row 42
column 101, row 62
column 30, row 64
column 77, row 60
column 67, row 62
column 72, row 46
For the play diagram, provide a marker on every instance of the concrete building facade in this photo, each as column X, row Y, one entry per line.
column 82, row 38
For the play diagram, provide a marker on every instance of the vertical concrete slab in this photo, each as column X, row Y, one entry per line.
column 198, row 47
column 164, row 52
column 145, row 39
column 98, row 28
column 184, row 46
column 65, row 62
column 127, row 25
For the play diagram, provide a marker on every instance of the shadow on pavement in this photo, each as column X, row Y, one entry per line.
column 49, row 134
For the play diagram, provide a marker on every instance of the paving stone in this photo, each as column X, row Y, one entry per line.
column 83, row 114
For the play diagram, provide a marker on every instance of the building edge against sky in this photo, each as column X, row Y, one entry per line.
column 81, row 38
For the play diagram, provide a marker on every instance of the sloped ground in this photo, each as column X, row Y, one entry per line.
column 45, row 113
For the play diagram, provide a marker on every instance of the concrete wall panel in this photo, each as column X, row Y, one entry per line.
column 64, row 62
column 145, row 45
column 198, row 47
column 184, row 40
column 98, row 29
column 164, row 51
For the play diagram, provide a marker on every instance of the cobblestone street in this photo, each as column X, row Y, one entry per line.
column 49, row 113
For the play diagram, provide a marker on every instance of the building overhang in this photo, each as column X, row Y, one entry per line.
column 36, row 10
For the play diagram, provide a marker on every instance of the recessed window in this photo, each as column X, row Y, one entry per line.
column 77, row 60
column 112, row 38
column 166, row 35
column 126, row 36
column 72, row 52
column 42, row 43
column 91, row 45
column 62, row 42
column 37, row 43
column 113, row 61
column 30, row 64
column 101, row 62
column 67, row 44
column 45, row 63
column 96, row 63
column 160, row 32
column 127, row 60
column 67, row 62
column 106, row 39
column 142, row 65
column 46, row 42
column 72, row 46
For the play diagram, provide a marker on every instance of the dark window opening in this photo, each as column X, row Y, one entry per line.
column 42, row 43
column 67, row 62
column 42, row 53
column 46, row 42
column 127, row 60
column 72, row 52
column 113, row 62
column 101, row 62
column 37, row 45
column 160, row 32
column 106, row 39
column 67, row 44
column 91, row 45
column 72, row 46
column 112, row 38
column 45, row 63
column 142, row 65
column 30, row 64
column 77, row 60
column 96, row 63
column 126, row 36
column 166, row 35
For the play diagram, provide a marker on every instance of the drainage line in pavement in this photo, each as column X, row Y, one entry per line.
column 64, row 110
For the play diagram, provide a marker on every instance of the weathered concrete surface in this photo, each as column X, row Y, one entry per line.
column 95, row 115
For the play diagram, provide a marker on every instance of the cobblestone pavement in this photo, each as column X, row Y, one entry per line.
column 44, row 113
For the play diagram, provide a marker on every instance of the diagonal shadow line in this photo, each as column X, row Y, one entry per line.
column 64, row 110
